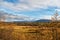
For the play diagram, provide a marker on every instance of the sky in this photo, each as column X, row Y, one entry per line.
column 29, row 9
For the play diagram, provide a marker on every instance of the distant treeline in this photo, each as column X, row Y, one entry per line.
column 40, row 24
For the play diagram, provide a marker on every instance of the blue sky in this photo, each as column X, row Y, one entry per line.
column 30, row 9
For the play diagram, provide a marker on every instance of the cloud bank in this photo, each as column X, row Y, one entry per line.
column 5, row 17
column 22, row 5
column 28, row 5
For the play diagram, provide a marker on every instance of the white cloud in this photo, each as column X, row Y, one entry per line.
column 30, row 4
column 24, row 5
column 57, row 10
column 45, row 17
column 8, row 17
column 21, row 18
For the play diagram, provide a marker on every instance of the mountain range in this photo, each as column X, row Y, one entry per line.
column 43, row 20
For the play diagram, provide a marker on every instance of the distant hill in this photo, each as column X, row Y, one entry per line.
column 43, row 20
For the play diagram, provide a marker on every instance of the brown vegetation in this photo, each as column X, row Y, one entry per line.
column 30, row 31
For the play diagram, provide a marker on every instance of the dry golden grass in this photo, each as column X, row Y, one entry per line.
column 44, row 31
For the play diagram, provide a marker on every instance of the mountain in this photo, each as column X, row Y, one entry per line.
column 43, row 20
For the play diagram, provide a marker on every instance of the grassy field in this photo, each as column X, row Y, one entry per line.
column 44, row 31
